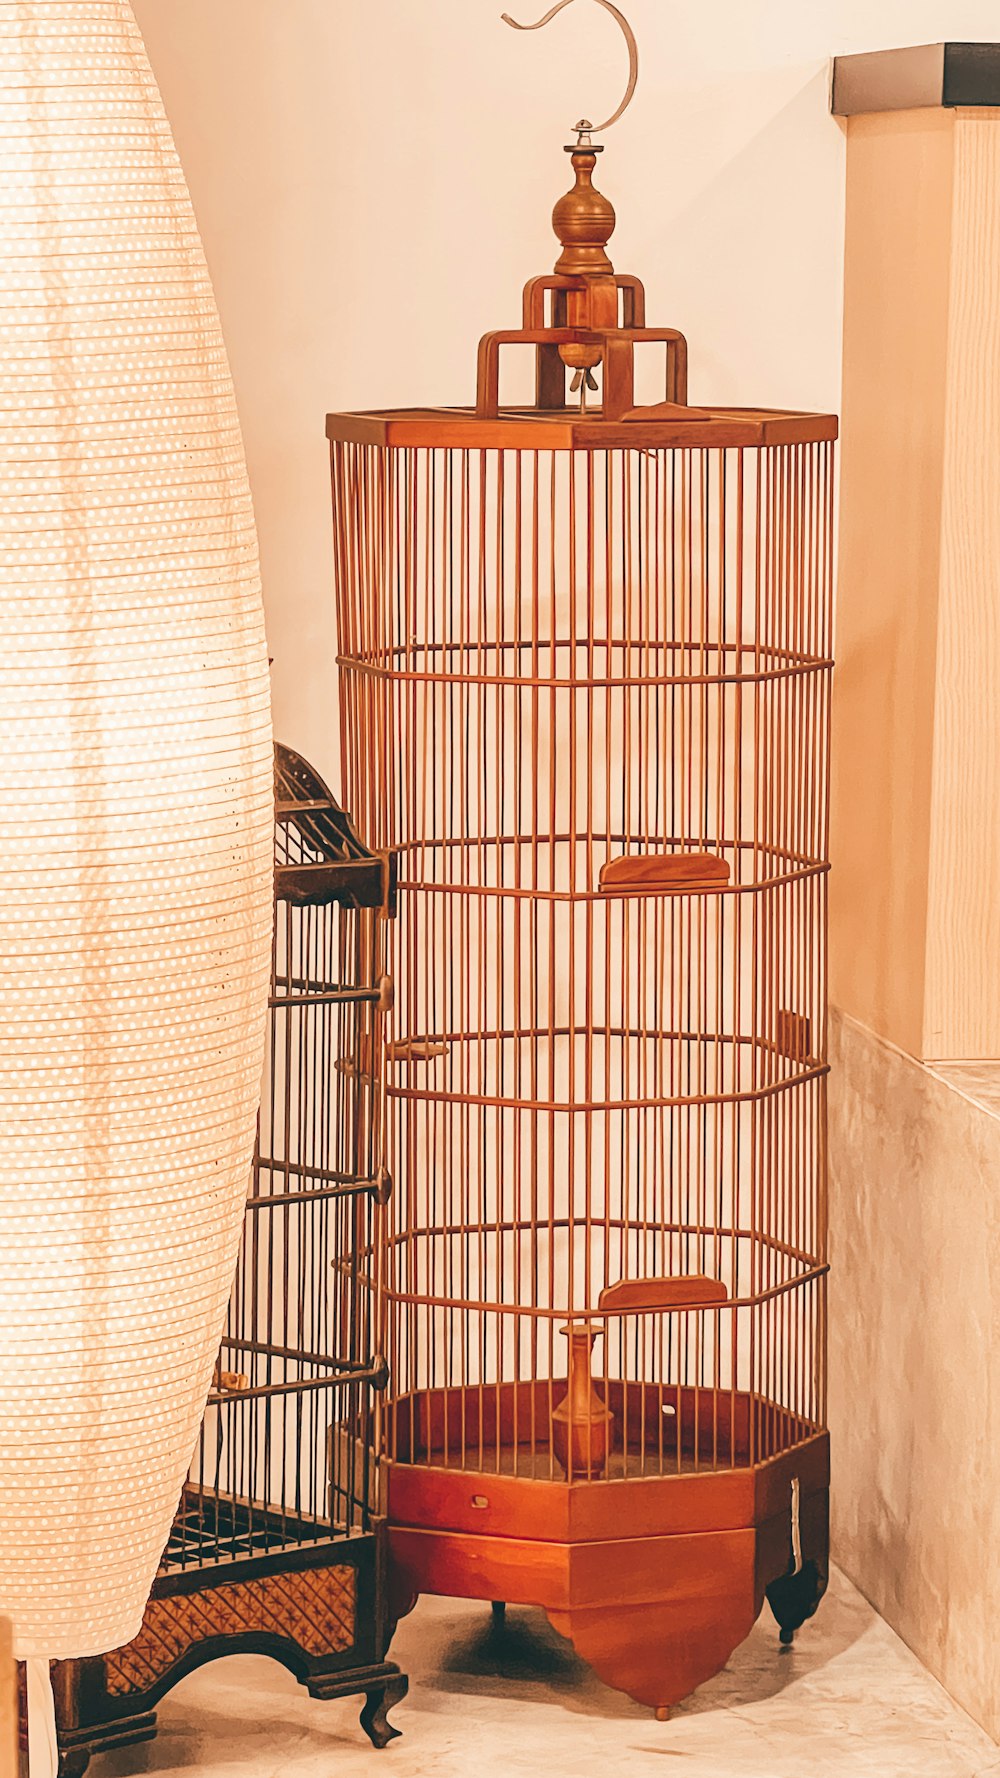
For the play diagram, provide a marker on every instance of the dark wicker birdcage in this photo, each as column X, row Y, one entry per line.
column 276, row 1547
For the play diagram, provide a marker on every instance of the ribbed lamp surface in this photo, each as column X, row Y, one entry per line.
column 135, row 826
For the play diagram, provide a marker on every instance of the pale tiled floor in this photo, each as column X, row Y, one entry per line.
column 848, row 1701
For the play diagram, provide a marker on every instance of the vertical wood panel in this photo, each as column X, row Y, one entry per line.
column 899, row 206
column 962, row 1005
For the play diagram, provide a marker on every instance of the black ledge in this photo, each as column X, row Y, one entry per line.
column 932, row 74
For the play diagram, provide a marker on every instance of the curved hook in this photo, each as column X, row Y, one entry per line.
column 633, row 52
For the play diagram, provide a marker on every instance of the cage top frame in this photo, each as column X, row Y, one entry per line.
column 335, row 865
column 532, row 429
column 581, row 318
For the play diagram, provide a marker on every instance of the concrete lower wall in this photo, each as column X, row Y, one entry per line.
column 915, row 1357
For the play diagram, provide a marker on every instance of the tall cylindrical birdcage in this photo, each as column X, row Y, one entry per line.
column 585, row 694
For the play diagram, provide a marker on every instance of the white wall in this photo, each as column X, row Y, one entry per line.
column 374, row 178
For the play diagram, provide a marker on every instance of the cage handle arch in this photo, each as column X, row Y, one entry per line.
column 584, row 127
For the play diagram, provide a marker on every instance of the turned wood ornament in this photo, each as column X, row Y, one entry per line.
column 584, row 221
column 582, row 1425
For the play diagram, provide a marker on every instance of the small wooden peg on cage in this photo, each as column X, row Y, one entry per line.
column 582, row 1424
column 793, row 1036
column 363, row 1066
column 230, row 1382
column 415, row 1049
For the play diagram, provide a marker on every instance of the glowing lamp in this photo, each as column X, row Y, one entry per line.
column 135, row 827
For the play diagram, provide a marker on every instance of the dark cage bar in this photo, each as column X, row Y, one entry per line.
column 276, row 1547
column 585, row 693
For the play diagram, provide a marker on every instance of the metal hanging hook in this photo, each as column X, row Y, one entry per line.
column 633, row 56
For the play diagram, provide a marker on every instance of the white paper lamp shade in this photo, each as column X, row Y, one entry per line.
column 135, row 827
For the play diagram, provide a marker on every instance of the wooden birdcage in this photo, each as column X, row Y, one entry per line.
column 276, row 1548
column 585, row 693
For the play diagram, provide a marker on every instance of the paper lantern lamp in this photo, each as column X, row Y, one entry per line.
column 135, row 827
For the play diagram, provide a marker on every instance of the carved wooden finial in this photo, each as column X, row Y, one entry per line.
column 584, row 220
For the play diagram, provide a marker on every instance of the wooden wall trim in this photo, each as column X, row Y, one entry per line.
column 962, row 998
column 897, row 282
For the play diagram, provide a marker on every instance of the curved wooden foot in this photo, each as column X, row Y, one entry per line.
column 401, row 1598
column 659, row 1653
column 375, row 1714
column 794, row 1598
column 400, row 1601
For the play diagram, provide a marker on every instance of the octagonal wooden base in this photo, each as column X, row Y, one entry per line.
column 654, row 1579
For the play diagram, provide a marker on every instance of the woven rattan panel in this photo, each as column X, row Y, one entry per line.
column 314, row 1609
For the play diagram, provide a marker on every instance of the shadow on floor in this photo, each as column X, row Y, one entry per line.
column 236, row 1714
column 525, row 1656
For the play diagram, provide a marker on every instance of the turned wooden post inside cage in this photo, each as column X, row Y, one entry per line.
column 585, row 692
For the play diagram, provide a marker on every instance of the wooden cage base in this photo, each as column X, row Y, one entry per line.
column 655, row 1580
column 315, row 1609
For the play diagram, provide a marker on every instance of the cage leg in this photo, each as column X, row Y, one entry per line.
column 499, row 1609
column 375, row 1714
column 795, row 1592
column 74, row 1762
column 793, row 1599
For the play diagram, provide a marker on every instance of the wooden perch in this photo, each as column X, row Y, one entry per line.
column 415, row 1049
column 663, row 871
column 634, row 1296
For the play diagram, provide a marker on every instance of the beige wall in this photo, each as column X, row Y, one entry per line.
column 374, row 178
